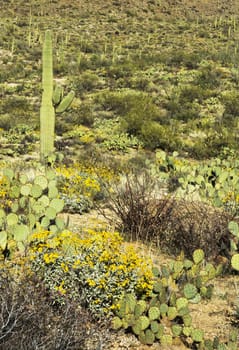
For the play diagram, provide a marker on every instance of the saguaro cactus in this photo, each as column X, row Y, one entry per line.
column 47, row 112
column 52, row 101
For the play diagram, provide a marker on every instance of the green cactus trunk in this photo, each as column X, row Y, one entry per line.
column 47, row 111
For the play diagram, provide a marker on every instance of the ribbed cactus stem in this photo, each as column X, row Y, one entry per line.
column 47, row 112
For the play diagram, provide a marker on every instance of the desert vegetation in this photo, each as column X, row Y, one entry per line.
column 119, row 195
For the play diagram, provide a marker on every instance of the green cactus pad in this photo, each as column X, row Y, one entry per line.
column 116, row 323
column 234, row 228
column 187, row 320
column 25, row 189
column 178, row 266
column 183, row 311
column 235, row 262
column 12, row 219
column 52, row 192
column 154, row 326
column 173, row 299
column 15, row 207
column 23, row 179
column 160, row 332
column 45, row 222
column 53, row 228
column 189, row 291
column 32, row 220
column 197, row 335
column 172, row 313
column 50, row 174
column 136, row 328
column 9, row 173
column 2, row 213
column 187, row 331
column 166, row 339
column 149, row 337
column 140, row 308
column 21, row 232
column 153, row 313
column 36, row 191
column 163, row 309
column 66, row 102
column 3, row 239
column 57, row 204
column 157, row 287
column 187, row 264
column 144, row 322
column 44, row 201
column 198, row 256
column 14, row 192
column 181, row 302
column 130, row 301
column 51, row 213
column 60, row 223
column 42, row 181
column 196, row 299
column 176, row 330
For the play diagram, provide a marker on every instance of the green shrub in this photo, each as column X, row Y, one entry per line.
column 156, row 136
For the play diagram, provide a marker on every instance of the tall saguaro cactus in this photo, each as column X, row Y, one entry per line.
column 47, row 111
column 52, row 101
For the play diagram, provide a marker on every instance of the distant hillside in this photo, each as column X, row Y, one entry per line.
column 182, row 8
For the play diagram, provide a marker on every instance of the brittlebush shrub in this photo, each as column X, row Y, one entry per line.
column 95, row 269
column 81, row 185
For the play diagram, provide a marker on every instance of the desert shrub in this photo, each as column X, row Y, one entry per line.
column 6, row 121
column 80, row 185
column 129, row 102
column 31, row 319
column 94, row 268
column 188, row 225
column 174, row 225
column 231, row 112
column 155, row 136
column 134, row 202
column 21, row 139
column 209, row 76
column 87, row 81
column 85, row 114
column 212, row 145
column 121, row 142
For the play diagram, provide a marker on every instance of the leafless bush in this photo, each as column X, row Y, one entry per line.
column 30, row 319
column 135, row 202
column 146, row 213
column 192, row 225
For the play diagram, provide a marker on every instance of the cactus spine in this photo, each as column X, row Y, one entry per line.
column 47, row 111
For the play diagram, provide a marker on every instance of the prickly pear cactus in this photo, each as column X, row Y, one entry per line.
column 235, row 262
column 34, row 205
